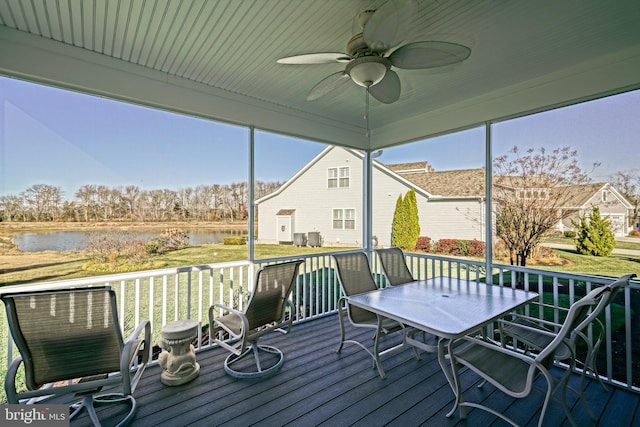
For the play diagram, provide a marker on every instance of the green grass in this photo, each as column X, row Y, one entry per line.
column 50, row 266
column 633, row 242
column 613, row 266
column 549, row 313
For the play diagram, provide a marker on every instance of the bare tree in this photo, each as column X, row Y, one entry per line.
column 44, row 201
column 184, row 203
column 108, row 200
column 130, row 197
column 204, row 200
column 628, row 184
column 70, row 211
column 12, row 207
column 87, row 195
column 531, row 190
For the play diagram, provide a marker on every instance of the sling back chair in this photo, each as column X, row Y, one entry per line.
column 535, row 334
column 239, row 332
column 70, row 342
column 514, row 372
column 394, row 266
column 355, row 277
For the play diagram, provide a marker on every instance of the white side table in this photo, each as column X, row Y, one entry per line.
column 178, row 358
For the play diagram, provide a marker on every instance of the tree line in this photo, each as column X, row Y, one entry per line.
column 94, row 203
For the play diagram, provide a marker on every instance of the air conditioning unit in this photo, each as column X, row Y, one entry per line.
column 300, row 239
column 314, row 239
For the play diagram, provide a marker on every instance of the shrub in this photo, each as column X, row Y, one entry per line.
column 473, row 248
column 405, row 228
column 152, row 246
column 594, row 235
column 170, row 240
column 500, row 250
column 447, row 246
column 477, row 248
column 136, row 251
column 235, row 240
column 104, row 247
column 423, row 244
column 174, row 238
column 569, row 234
column 554, row 234
column 634, row 233
column 413, row 224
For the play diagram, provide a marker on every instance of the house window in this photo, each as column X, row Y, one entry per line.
column 338, row 177
column 349, row 219
column 605, row 194
column 344, row 219
column 533, row 193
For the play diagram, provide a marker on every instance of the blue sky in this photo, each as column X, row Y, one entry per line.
column 62, row 138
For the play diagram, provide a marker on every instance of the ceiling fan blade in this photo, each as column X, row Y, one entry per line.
column 386, row 27
column 428, row 54
column 388, row 90
column 328, row 84
column 315, row 58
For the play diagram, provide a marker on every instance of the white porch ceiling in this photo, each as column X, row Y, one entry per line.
column 217, row 59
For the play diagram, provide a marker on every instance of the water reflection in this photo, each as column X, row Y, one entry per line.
column 78, row 240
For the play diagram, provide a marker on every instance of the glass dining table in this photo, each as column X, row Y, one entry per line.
column 446, row 307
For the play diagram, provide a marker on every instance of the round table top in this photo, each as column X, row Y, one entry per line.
column 180, row 329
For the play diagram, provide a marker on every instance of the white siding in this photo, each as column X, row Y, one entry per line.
column 386, row 190
column 314, row 202
column 613, row 209
column 452, row 219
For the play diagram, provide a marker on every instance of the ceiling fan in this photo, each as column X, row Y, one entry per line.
column 376, row 49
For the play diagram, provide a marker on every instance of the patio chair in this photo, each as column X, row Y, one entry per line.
column 355, row 277
column 535, row 334
column 70, row 342
column 265, row 313
column 394, row 266
column 514, row 372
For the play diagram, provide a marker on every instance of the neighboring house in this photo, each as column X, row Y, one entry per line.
column 579, row 201
column 612, row 204
column 323, row 202
column 325, row 197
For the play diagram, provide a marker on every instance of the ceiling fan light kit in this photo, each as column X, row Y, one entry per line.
column 368, row 70
column 377, row 49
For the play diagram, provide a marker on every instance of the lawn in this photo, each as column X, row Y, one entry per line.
column 20, row 268
column 27, row 267
column 613, row 266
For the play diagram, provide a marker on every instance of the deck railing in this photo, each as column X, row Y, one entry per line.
column 162, row 296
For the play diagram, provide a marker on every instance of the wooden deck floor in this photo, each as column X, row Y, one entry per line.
column 317, row 386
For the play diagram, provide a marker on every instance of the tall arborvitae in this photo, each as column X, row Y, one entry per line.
column 405, row 228
column 413, row 222
column 397, row 227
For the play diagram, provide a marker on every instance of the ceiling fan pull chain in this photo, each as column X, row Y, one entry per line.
column 366, row 116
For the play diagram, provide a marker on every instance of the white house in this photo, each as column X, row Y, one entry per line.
column 324, row 200
column 612, row 204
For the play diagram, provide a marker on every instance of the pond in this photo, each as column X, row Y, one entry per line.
column 78, row 240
